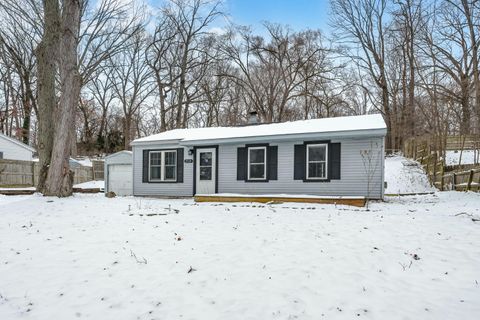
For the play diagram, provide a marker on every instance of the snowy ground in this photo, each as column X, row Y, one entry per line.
column 453, row 157
column 405, row 176
column 91, row 185
column 89, row 257
column 86, row 162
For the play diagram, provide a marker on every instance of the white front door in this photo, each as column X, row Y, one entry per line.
column 205, row 170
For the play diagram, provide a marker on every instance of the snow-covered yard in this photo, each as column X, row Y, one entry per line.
column 405, row 176
column 89, row 257
column 467, row 157
column 91, row 185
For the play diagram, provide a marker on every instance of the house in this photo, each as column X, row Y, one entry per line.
column 341, row 156
column 14, row 149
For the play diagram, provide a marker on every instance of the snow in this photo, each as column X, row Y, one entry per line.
column 338, row 124
column 129, row 258
column 405, row 176
column 91, row 185
column 85, row 162
column 92, row 257
column 453, row 157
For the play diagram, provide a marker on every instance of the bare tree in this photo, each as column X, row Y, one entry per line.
column 361, row 23
column 185, row 59
column 132, row 81
column 276, row 72
column 371, row 164
column 19, row 40
column 101, row 89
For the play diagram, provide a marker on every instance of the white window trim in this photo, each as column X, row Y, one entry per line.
column 308, row 161
column 264, row 163
column 162, row 166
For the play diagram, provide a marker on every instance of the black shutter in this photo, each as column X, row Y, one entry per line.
column 145, row 166
column 334, row 157
column 272, row 159
column 299, row 162
column 241, row 163
column 180, row 165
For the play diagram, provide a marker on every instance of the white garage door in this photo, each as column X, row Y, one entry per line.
column 120, row 179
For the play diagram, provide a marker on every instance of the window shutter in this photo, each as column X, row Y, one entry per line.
column 334, row 159
column 180, row 165
column 145, row 166
column 242, row 163
column 272, row 159
column 299, row 162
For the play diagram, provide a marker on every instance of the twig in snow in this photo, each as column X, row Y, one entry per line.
column 271, row 209
column 474, row 219
column 404, row 266
column 143, row 260
column 191, row 270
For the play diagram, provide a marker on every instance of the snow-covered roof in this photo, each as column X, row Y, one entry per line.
column 17, row 142
column 324, row 125
column 126, row 152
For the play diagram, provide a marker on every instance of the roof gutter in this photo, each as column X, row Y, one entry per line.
column 146, row 143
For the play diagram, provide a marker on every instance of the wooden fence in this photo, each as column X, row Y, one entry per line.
column 414, row 147
column 465, row 142
column 459, row 178
column 16, row 173
column 98, row 169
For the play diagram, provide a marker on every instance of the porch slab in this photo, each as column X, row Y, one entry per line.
column 350, row 201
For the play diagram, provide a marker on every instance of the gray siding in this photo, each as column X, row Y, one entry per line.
column 161, row 189
column 353, row 180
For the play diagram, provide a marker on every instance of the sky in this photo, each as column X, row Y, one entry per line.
column 299, row 14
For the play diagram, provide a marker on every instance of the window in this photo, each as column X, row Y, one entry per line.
column 317, row 161
column 170, row 165
column 257, row 160
column 155, row 166
column 163, row 165
column 205, row 165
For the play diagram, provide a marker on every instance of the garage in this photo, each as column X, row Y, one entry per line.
column 118, row 169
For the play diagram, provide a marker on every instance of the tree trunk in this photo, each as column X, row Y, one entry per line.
column 27, row 112
column 388, row 116
column 474, row 42
column 181, row 89
column 47, row 57
column 60, row 177
column 127, row 131
column 73, row 136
